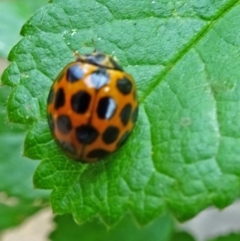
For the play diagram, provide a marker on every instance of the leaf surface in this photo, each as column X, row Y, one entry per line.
column 183, row 154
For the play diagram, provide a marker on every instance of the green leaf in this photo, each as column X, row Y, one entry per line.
column 159, row 230
column 6, row 126
column 13, row 15
column 15, row 171
column 230, row 237
column 183, row 155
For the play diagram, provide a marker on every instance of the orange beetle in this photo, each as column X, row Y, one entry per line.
column 92, row 107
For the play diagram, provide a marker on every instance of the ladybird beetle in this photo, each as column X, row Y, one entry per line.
column 92, row 107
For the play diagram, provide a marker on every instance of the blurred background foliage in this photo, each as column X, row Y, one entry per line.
column 13, row 15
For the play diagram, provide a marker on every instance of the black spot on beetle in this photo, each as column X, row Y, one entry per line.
column 80, row 102
column 86, row 134
column 125, row 114
column 110, row 135
column 59, row 99
column 124, row 85
column 74, row 73
column 64, row 124
column 106, row 108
